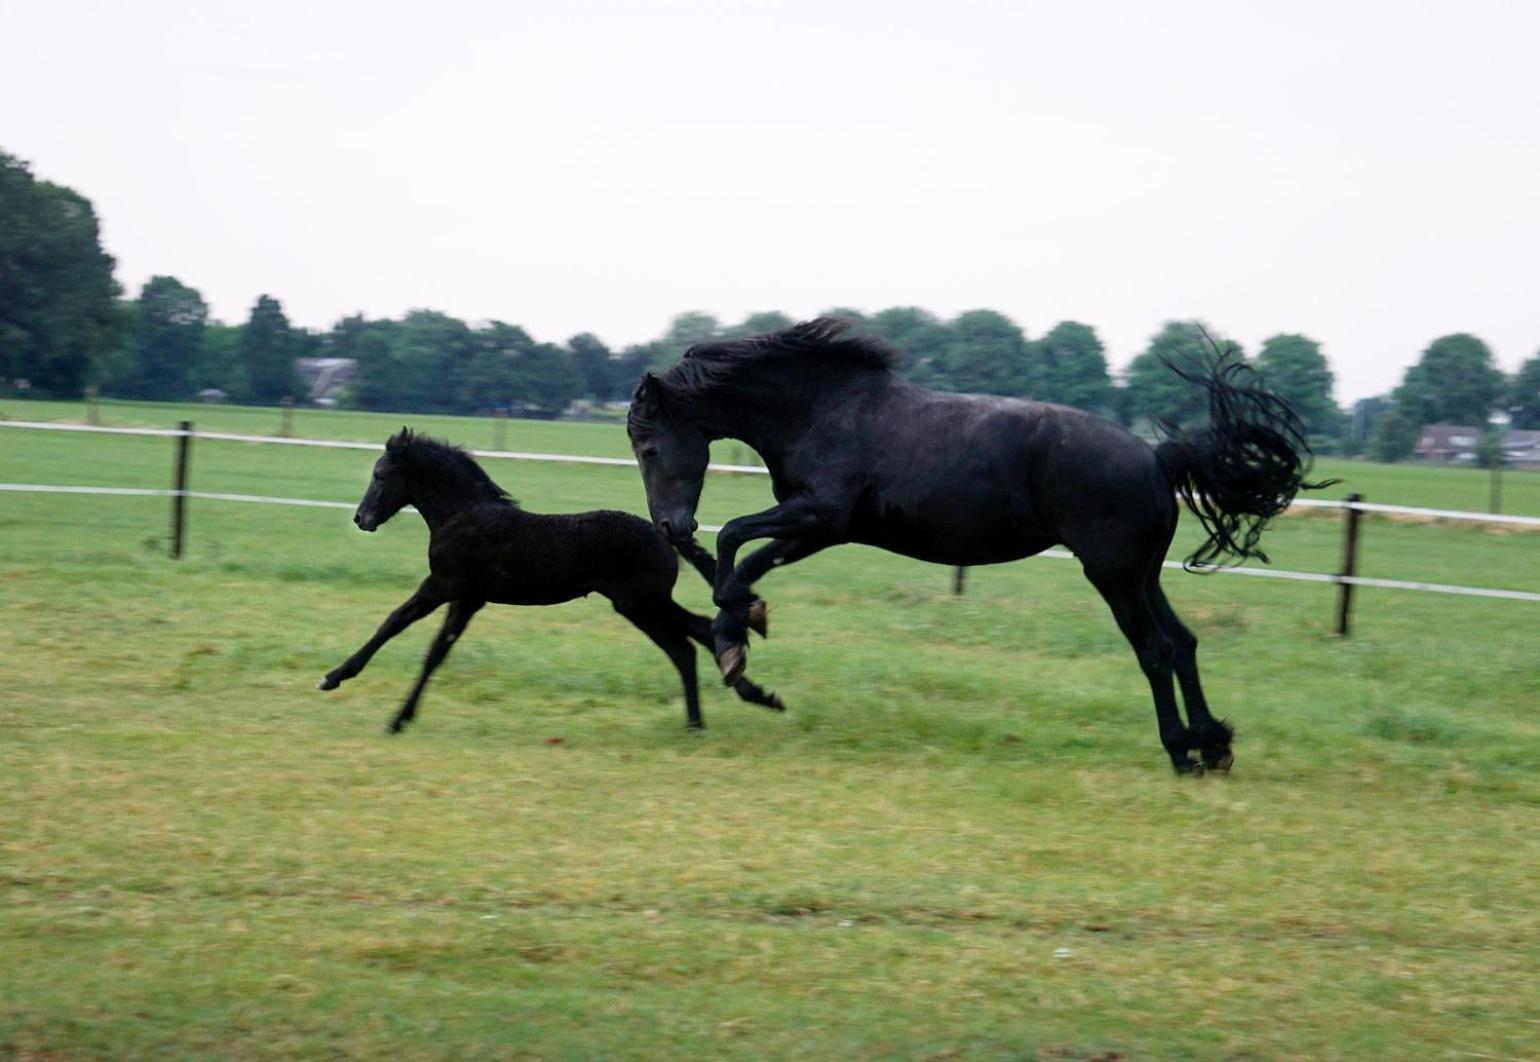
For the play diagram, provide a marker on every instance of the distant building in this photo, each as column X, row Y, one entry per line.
column 326, row 377
column 1448, row 442
column 1522, row 448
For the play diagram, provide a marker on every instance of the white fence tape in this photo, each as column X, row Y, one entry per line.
column 583, row 459
column 337, row 444
column 1056, row 554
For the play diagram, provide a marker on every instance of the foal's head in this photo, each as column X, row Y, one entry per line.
column 436, row 477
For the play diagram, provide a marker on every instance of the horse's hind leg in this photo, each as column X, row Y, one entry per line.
column 669, row 634
column 1123, row 589
column 460, row 613
column 1210, row 736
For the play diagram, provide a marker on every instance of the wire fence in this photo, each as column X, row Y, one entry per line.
column 1345, row 579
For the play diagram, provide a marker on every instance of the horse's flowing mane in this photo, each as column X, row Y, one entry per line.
column 822, row 339
column 439, row 465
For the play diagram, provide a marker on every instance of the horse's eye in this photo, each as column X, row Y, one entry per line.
column 649, row 451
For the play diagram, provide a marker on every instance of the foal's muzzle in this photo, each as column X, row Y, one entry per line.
column 365, row 522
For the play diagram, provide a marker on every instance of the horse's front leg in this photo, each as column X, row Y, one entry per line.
column 427, row 598
column 799, row 531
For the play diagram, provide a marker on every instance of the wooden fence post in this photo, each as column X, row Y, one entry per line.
column 93, row 415
column 959, row 576
column 286, row 419
column 1495, row 501
column 179, row 499
column 1349, row 563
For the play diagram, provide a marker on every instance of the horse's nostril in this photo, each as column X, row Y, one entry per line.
column 694, row 525
column 667, row 527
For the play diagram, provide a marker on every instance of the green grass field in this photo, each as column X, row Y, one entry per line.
column 961, row 840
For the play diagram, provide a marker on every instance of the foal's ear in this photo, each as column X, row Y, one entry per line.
column 647, row 386
column 397, row 443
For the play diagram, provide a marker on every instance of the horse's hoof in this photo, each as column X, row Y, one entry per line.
column 732, row 660
column 394, row 726
column 759, row 618
column 327, row 683
column 775, row 703
column 1189, row 768
column 1223, row 764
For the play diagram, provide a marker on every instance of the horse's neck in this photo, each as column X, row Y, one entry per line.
column 765, row 417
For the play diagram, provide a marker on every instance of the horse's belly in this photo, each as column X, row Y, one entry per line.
column 960, row 543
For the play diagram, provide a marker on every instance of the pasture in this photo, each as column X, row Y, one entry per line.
column 962, row 839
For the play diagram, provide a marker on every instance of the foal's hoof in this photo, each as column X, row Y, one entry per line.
column 775, row 703
column 759, row 618
column 1190, row 768
column 327, row 683
column 732, row 660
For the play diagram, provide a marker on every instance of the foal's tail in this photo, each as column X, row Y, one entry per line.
column 1244, row 468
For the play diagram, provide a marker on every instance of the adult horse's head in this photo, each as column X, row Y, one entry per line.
column 388, row 491
column 673, row 455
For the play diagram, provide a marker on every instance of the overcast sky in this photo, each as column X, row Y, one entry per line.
column 1365, row 173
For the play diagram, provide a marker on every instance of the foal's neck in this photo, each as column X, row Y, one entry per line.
column 442, row 499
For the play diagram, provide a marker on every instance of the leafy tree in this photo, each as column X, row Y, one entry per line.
column 629, row 367
column 1161, row 396
column 167, row 347
column 988, row 354
column 923, row 339
column 265, row 354
column 595, row 362
column 684, row 331
column 377, row 383
column 845, row 313
column 1524, row 395
column 218, row 365
column 58, row 309
column 1456, row 382
column 1293, row 366
column 1069, row 366
column 1395, row 436
column 550, row 378
column 432, row 355
column 756, row 324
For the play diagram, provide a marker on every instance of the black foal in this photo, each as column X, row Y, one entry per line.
column 484, row 548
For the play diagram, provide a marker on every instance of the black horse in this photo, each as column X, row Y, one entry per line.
column 483, row 547
column 858, row 454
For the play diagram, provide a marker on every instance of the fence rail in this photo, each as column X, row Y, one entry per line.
column 1345, row 580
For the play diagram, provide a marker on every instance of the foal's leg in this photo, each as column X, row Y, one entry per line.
column 1211, row 736
column 699, row 628
column 460, row 613
column 427, row 598
column 1123, row 589
column 655, row 619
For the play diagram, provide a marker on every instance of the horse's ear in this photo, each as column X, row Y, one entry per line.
column 647, row 386
column 397, row 443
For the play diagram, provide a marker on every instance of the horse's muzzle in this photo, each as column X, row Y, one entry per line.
column 365, row 523
column 675, row 531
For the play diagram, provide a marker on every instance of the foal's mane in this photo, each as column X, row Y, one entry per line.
column 823, row 339
column 437, row 464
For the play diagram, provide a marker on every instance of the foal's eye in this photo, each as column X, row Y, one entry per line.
column 650, row 451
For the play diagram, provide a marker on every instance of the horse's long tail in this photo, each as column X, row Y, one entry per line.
column 1244, row 468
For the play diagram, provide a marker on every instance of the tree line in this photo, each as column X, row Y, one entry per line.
column 65, row 324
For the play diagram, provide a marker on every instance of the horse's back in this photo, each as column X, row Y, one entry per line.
column 972, row 479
